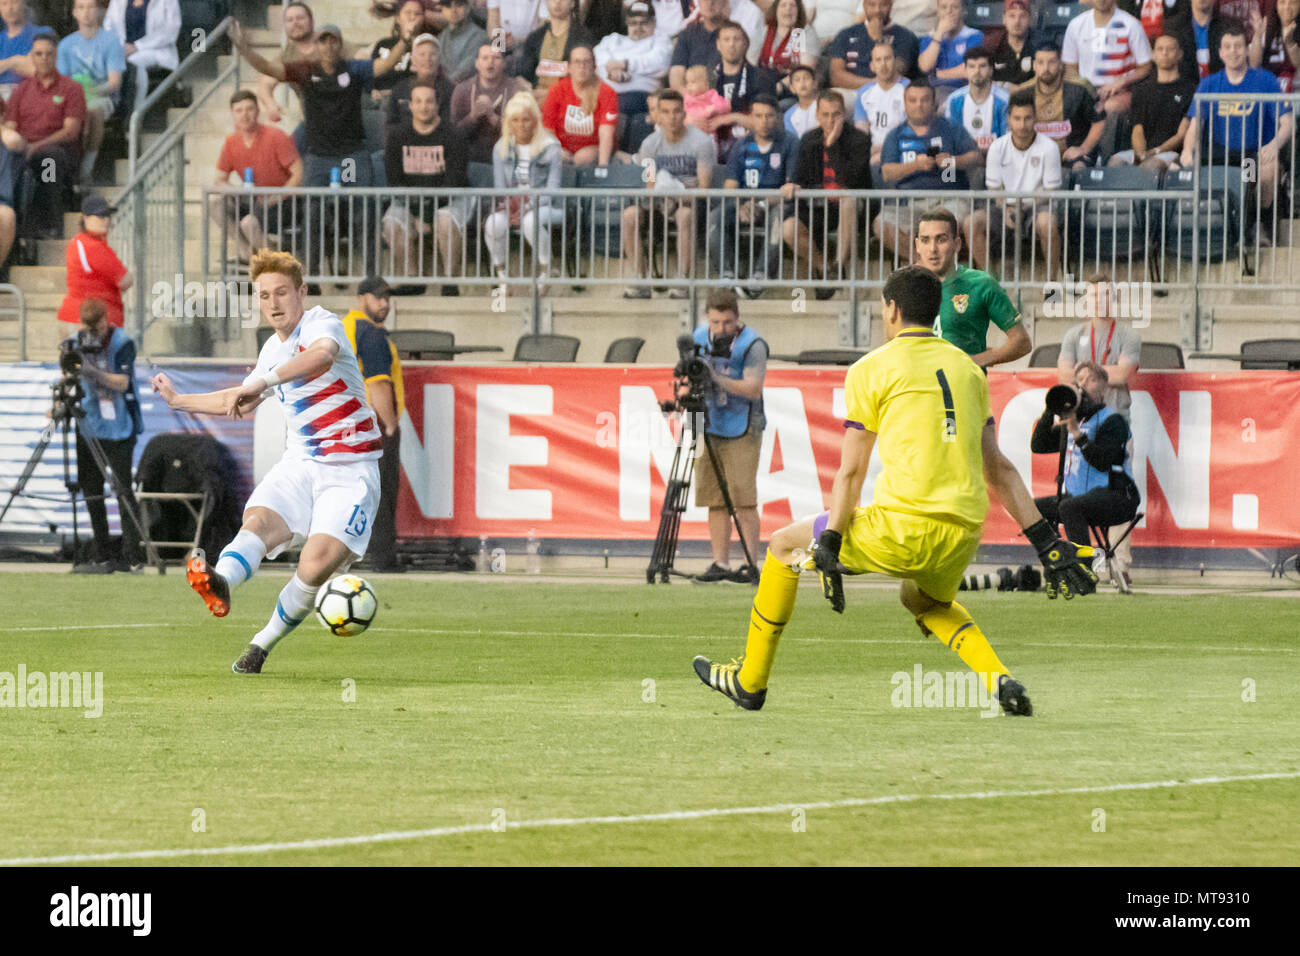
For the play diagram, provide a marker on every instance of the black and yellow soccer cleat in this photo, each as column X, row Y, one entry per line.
column 250, row 662
column 1012, row 697
column 724, row 678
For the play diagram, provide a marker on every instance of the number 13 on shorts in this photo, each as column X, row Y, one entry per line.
column 356, row 522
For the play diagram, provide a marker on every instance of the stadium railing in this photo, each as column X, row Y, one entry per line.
column 13, row 323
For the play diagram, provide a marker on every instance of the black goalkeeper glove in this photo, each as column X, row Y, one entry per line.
column 825, row 559
column 1067, row 567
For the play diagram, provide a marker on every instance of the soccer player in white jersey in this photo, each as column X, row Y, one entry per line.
column 878, row 105
column 326, row 487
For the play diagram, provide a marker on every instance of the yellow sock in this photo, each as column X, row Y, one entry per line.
column 773, row 605
column 953, row 626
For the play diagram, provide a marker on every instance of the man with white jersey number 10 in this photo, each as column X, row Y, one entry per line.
column 326, row 487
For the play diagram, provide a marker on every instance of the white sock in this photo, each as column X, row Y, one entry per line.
column 239, row 559
column 293, row 605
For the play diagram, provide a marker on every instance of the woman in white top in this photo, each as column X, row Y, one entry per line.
column 155, row 47
column 527, row 155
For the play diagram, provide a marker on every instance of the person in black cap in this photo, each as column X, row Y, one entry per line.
column 382, row 371
column 94, row 270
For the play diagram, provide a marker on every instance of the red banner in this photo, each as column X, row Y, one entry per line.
column 574, row 452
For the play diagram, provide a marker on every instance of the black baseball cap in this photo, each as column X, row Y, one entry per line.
column 374, row 285
column 96, row 206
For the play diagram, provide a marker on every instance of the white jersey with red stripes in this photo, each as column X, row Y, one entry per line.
column 327, row 418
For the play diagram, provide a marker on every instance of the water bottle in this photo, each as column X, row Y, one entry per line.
column 484, row 558
column 534, row 550
column 336, row 178
column 248, row 177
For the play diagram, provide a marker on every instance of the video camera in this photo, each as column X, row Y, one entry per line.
column 692, row 367
column 68, row 391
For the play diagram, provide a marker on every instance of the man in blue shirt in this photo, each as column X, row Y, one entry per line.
column 93, row 57
column 1239, row 130
column 15, row 43
column 850, row 51
column 925, row 152
column 943, row 52
column 765, row 159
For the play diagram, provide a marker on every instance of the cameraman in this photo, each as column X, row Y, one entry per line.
column 104, row 358
column 737, row 361
column 1098, row 488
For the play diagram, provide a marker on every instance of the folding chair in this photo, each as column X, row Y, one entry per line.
column 547, row 348
column 1106, row 561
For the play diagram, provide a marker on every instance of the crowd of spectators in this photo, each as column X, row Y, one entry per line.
column 907, row 96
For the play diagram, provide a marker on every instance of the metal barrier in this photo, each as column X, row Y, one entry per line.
column 13, row 314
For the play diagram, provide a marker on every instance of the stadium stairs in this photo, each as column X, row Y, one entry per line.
column 599, row 315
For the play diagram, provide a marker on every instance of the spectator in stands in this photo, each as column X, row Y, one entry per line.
column 332, row 90
column 56, row 15
column 47, row 110
column 1013, row 54
column 1199, row 36
column 676, row 156
column 1276, row 44
column 979, row 107
column 12, row 147
column 637, row 62
column 925, row 152
column 582, row 112
column 424, row 154
column 671, row 16
column 93, row 269
column 1245, row 12
column 701, row 101
column 833, row 155
column 1067, row 109
column 765, row 159
column 878, row 105
column 1022, row 160
column 943, row 52
column 739, row 82
column 1109, row 49
column 478, row 103
column 697, row 44
column 527, row 156
column 408, row 21
column 299, row 44
column 1104, row 341
column 602, row 18
column 831, row 17
column 257, row 155
column 424, row 66
column 433, row 19
column 15, row 45
column 148, row 31
column 1257, row 135
column 789, row 41
column 850, row 53
column 509, row 23
column 381, row 370
column 1159, row 109
column 1153, row 14
column 545, row 56
column 459, row 43
column 93, row 57
column 802, row 115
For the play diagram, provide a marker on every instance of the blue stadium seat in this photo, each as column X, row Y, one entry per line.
column 1219, row 214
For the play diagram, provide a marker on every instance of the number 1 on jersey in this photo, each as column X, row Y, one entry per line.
column 950, row 412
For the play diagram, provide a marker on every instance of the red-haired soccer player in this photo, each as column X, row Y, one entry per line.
column 326, row 487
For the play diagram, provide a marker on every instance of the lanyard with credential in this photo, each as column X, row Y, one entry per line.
column 1092, row 339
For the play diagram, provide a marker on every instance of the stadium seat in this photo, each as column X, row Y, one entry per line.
column 598, row 220
column 624, row 351
column 264, row 333
column 1219, row 222
column 1053, row 18
column 1104, row 230
column 547, row 348
column 1274, row 354
column 1045, row 356
column 480, row 175
column 824, row 356
column 984, row 16
column 423, row 344
column 1160, row 355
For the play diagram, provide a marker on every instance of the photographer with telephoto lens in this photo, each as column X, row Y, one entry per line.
column 102, row 361
column 1095, row 487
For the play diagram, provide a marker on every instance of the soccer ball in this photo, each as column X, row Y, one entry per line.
column 346, row 605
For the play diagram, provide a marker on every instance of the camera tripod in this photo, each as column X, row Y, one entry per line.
column 675, row 497
column 62, row 418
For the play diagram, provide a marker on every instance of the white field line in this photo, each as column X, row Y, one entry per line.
column 671, row 816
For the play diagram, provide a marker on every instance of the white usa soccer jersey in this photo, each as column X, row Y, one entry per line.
column 328, row 480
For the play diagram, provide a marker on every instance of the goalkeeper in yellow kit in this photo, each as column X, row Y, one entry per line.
column 926, row 405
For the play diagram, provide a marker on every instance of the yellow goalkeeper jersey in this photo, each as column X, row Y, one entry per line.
column 928, row 403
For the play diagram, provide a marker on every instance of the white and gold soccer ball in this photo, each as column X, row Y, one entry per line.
column 346, row 605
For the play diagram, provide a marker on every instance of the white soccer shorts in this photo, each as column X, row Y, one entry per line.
column 315, row 497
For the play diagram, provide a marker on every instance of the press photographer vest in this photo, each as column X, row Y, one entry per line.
column 126, row 420
column 730, row 415
column 1081, row 477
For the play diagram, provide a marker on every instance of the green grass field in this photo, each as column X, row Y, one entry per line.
column 479, row 700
